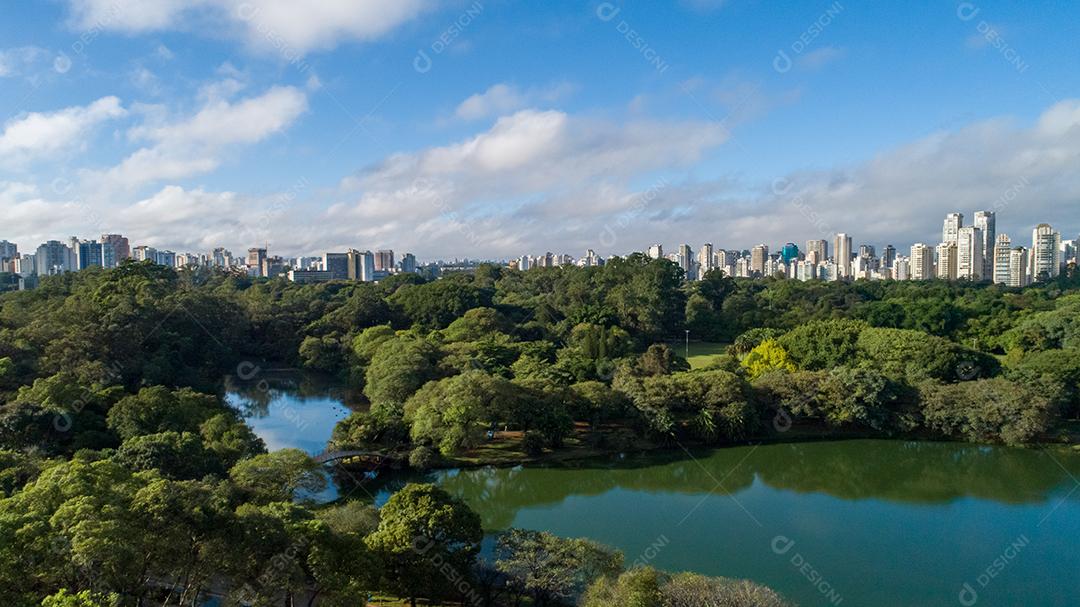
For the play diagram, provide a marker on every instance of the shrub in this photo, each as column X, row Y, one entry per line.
column 422, row 457
column 823, row 344
column 533, row 443
column 987, row 410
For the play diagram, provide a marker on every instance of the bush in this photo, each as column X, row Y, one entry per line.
column 533, row 443
column 916, row 356
column 823, row 344
column 767, row 356
column 422, row 457
column 753, row 338
column 987, row 410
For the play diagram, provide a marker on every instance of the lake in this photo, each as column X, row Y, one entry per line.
column 859, row 522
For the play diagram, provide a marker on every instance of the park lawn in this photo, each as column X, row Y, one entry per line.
column 702, row 353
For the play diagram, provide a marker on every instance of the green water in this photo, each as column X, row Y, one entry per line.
column 875, row 523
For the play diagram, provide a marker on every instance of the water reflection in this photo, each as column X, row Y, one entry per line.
column 895, row 471
column 289, row 409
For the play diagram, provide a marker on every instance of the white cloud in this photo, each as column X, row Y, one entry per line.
column 501, row 99
column 42, row 134
column 283, row 26
column 193, row 145
column 17, row 61
column 819, row 58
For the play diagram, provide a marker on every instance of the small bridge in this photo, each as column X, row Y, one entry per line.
column 370, row 457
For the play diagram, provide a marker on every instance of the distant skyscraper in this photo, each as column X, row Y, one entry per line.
column 888, row 256
column 1045, row 252
column 408, row 263
column 953, row 223
column 789, row 253
column 901, row 268
column 987, row 222
column 758, row 255
column 867, row 251
column 361, row 265
column 384, row 260
column 8, row 250
column 1002, row 257
column 705, row 259
column 821, row 247
column 1018, row 268
column 685, row 259
column 946, row 261
column 969, row 254
column 656, row 251
column 922, row 262
column 842, row 247
column 88, row 253
column 114, row 250
column 336, row 265
column 256, row 259
column 54, row 257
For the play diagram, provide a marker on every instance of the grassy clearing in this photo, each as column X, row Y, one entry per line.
column 702, row 353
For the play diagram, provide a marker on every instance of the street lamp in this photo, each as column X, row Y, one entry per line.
column 687, row 344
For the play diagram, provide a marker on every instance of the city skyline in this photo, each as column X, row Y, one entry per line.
column 425, row 128
column 973, row 252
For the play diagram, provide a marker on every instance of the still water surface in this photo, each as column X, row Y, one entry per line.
column 864, row 522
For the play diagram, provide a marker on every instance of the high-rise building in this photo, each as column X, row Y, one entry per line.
column 144, row 253
column 1018, row 268
column 524, row 262
column 946, row 261
column 789, row 253
column 742, row 267
column 114, row 250
column 384, row 260
column 705, row 259
column 867, row 251
column 256, row 259
column 408, row 263
column 54, row 257
column 901, row 268
column 922, row 262
column 336, row 265
column 842, row 247
column 888, row 256
column 758, row 255
column 820, row 247
column 953, row 223
column 8, row 250
column 723, row 261
column 1002, row 257
column 1045, row 253
column 88, row 253
column 685, row 259
column 361, row 265
column 656, row 251
column 969, row 254
column 987, row 222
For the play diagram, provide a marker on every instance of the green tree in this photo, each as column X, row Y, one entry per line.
column 173, row 454
column 278, row 476
column 158, row 409
column 987, row 410
column 765, row 357
column 426, row 540
column 64, row 598
column 823, row 344
column 553, row 569
column 399, row 368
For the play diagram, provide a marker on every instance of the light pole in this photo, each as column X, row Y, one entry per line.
column 687, row 344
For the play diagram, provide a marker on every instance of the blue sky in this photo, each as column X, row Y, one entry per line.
column 533, row 126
